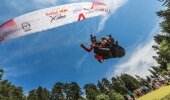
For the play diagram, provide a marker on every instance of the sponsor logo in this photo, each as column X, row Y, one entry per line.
column 81, row 15
column 96, row 6
column 26, row 26
column 52, row 13
column 57, row 14
column 63, row 10
column 57, row 17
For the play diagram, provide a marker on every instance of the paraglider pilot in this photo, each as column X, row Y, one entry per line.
column 97, row 45
column 92, row 46
column 105, row 48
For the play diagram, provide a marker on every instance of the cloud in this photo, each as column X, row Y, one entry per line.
column 15, row 72
column 139, row 61
column 113, row 6
column 80, row 62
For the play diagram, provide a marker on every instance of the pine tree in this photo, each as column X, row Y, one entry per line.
column 118, row 85
column 57, row 91
column 163, row 40
column 72, row 91
column 130, row 82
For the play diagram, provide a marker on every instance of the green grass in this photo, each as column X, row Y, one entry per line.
column 166, row 97
column 159, row 94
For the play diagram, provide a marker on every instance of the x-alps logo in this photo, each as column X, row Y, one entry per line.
column 26, row 26
column 57, row 14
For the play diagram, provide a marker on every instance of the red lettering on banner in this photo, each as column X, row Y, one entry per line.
column 52, row 13
column 81, row 15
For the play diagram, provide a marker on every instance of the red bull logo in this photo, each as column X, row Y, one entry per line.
column 56, row 12
column 63, row 10
column 52, row 13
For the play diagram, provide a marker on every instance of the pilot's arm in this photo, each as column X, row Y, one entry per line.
column 88, row 49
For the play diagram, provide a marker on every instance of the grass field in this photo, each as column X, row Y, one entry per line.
column 157, row 94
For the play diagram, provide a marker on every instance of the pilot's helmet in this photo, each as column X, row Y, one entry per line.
column 93, row 39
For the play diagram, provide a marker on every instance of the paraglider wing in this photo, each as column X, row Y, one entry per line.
column 49, row 18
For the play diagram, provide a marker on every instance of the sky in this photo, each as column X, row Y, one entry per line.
column 55, row 55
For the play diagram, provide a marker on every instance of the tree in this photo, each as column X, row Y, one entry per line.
column 165, row 49
column 102, row 97
column 91, row 91
column 163, row 40
column 32, row 95
column 148, row 79
column 75, row 91
column 101, row 87
column 105, row 86
column 154, row 74
column 10, row 92
column 115, row 96
column 165, row 2
column 43, row 93
column 142, row 81
column 72, row 91
column 57, row 91
column 39, row 94
column 130, row 82
column 1, row 73
column 118, row 85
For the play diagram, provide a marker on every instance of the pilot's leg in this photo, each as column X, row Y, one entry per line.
column 99, row 58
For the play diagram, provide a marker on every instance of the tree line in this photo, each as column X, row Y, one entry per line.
column 113, row 89
column 103, row 90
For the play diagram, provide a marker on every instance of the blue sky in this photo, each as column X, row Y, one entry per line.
column 55, row 55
